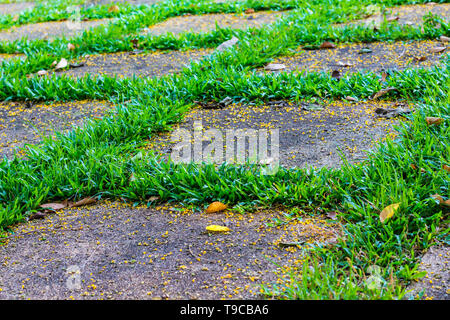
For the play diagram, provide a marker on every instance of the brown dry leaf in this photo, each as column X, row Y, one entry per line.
column 54, row 206
column 61, row 64
column 114, row 9
column 444, row 39
column 83, row 202
column 384, row 76
column 249, row 10
column 413, row 166
column 327, row 45
column 216, row 228
column 438, row 49
column 70, row 47
column 153, row 198
column 227, row 44
column 382, row 92
column 37, row 215
column 275, row 67
column 349, row 98
column 388, row 212
column 446, row 168
column 216, row 207
column 433, row 121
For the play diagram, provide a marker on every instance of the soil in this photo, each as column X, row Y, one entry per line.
column 128, row 64
column 132, row 2
column 25, row 123
column 360, row 57
column 108, row 246
column 49, row 30
column 115, row 251
column 207, row 22
column 306, row 137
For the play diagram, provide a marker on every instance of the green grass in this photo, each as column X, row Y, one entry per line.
column 99, row 158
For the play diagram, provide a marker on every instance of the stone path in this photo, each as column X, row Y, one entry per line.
column 49, row 30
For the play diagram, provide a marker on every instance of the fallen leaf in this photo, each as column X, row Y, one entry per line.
column 70, row 47
column 312, row 106
column 153, row 198
column 114, row 9
column 15, row 18
column 61, row 64
column 37, row 215
column 390, row 19
column 413, row 166
column 391, row 113
column 135, row 43
column 349, row 98
column 76, row 65
column 442, row 202
column 227, row 44
column 388, row 212
column 275, row 67
column 290, row 244
column 438, row 49
column 365, row 50
column 83, row 202
column 382, row 92
column 327, row 45
column 433, row 121
column 422, row 58
column 438, row 198
column 446, row 168
column 344, row 64
column 249, row 10
column 444, row 39
column 336, row 74
column 216, row 207
column 216, row 228
column 332, row 215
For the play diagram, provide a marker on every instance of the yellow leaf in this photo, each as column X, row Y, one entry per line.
column 388, row 212
column 216, row 228
column 216, row 207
